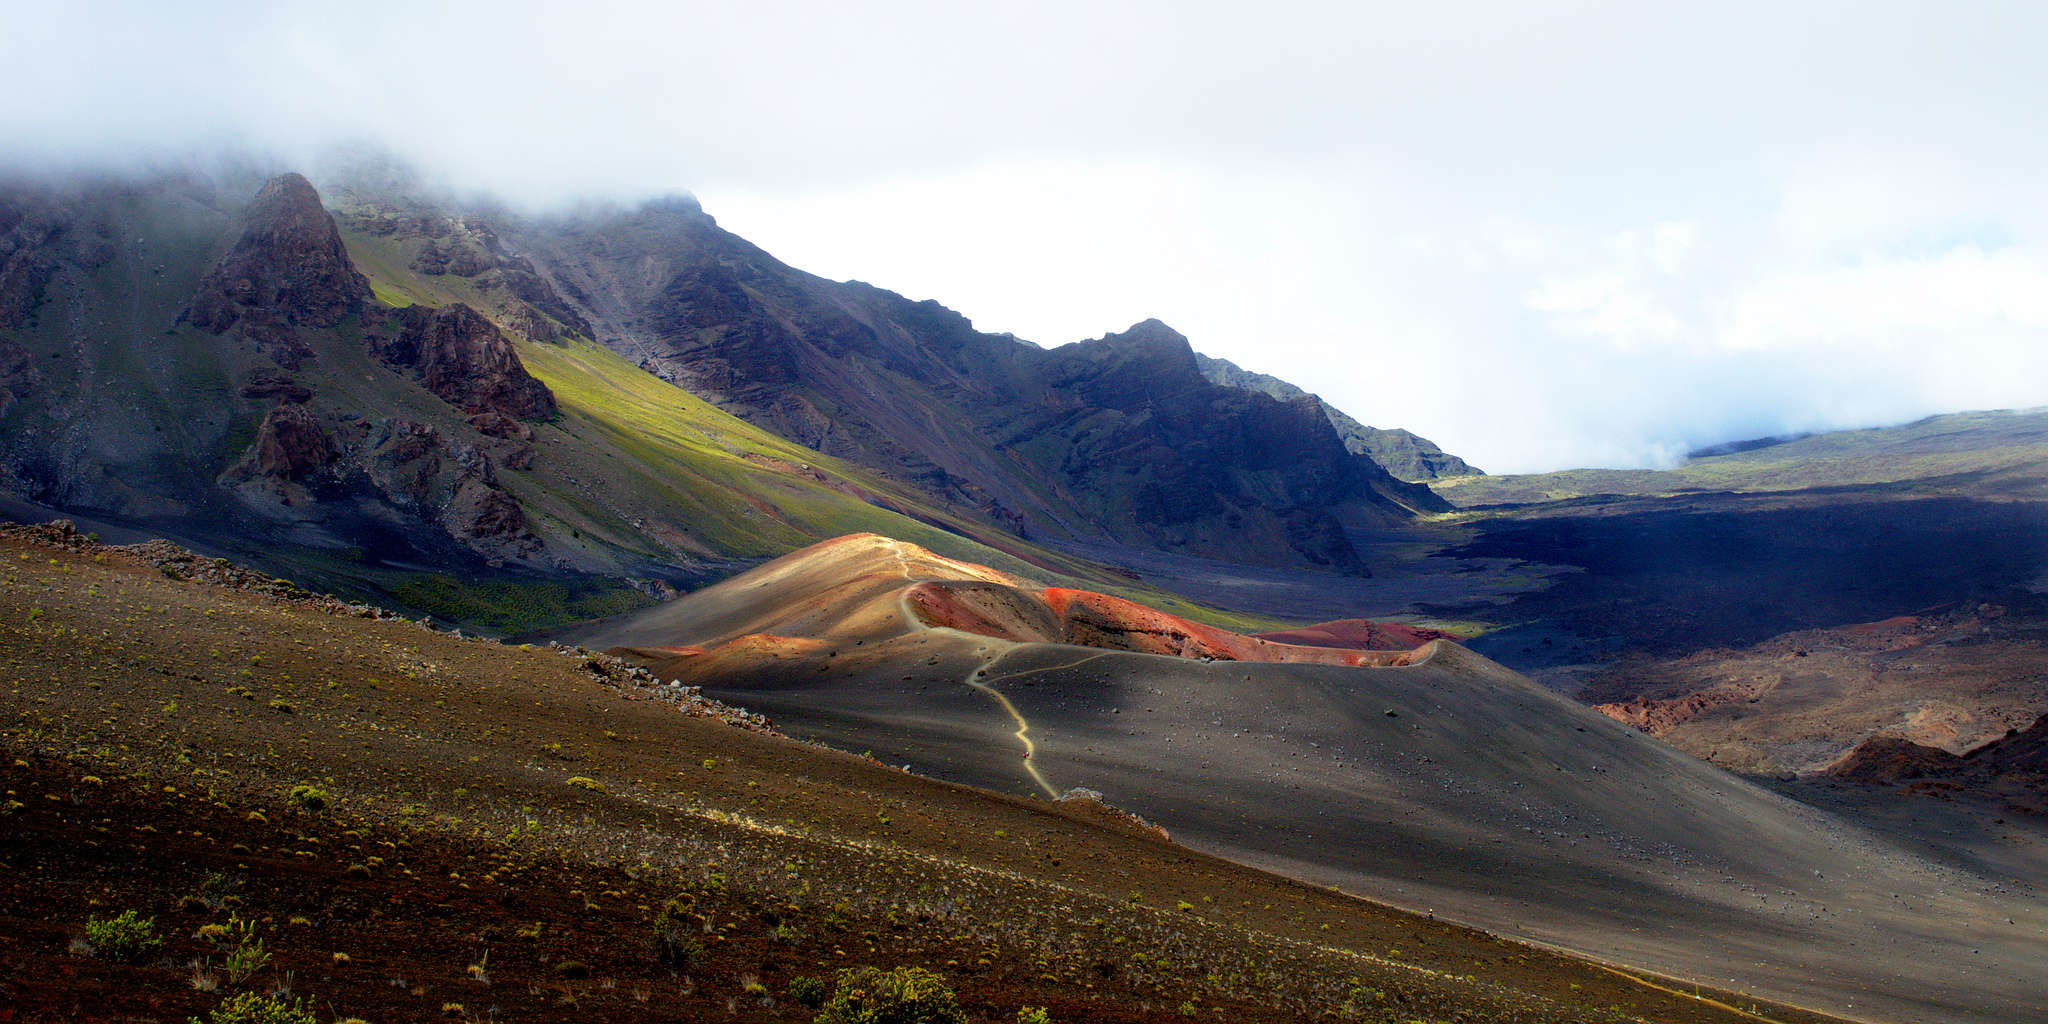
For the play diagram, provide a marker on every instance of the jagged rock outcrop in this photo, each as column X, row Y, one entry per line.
column 289, row 270
column 291, row 444
column 455, row 484
column 461, row 356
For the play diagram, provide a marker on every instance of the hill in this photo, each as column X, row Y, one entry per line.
column 1437, row 780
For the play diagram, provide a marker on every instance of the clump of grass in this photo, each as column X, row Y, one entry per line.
column 586, row 782
column 258, row 1008
column 808, row 990
column 900, row 995
column 671, row 932
column 1033, row 1015
column 309, row 798
column 127, row 937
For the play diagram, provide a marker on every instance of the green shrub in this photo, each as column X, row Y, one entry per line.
column 310, row 798
column 585, row 782
column 1033, row 1015
column 902, row 995
column 258, row 1008
column 126, row 937
column 807, row 989
column 673, row 942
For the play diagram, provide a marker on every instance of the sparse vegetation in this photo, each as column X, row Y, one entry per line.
column 259, row 1008
column 808, row 990
column 671, row 933
column 899, row 995
column 126, row 937
column 309, row 798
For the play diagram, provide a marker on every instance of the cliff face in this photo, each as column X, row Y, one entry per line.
column 287, row 271
column 185, row 354
column 462, row 357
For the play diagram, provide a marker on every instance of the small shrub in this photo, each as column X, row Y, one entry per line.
column 673, row 942
column 901, row 995
column 808, row 990
column 126, row 937
column 584, row 782
column 309, row 798
column 1033, row 1015
column 258, row 1008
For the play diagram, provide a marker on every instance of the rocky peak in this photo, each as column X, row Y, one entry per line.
column 288, row 267
column 1148, row 359
column 458, row 354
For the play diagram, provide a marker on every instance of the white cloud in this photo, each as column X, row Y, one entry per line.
column 1541, row 235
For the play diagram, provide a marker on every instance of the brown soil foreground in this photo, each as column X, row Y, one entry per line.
column 458, row 870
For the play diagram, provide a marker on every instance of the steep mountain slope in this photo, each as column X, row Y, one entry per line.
column 180, row 357
column 1440, row 781
column 1400, row 452
column 1119, row 439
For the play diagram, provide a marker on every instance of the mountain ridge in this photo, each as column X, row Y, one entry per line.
column 1406, row 455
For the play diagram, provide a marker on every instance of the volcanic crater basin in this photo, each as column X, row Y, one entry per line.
column 1450, row 785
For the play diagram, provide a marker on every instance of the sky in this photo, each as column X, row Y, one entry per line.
column 1541, row 234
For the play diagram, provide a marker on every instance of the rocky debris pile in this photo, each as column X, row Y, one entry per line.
column 186, row 566
column 1091, row 803
column 625, row 676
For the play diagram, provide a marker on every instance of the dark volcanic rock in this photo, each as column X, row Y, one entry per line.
column 291, row 444
column 463, row 357
column 454, row 483
column 32, row 229
column 18, row 376
column 264, row 382
column 289, row 267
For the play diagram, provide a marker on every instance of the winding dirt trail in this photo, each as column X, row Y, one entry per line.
column 979, row 678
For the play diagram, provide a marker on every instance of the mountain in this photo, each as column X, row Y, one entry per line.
column 217, row 361
column 1404, row 454
column 1118, row 440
